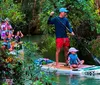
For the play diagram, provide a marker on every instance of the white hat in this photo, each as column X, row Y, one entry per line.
column 7, row 19
column 73, row 49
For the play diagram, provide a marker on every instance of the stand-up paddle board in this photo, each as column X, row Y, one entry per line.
column 63, row 69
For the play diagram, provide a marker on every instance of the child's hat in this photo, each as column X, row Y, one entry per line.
column 72, row 49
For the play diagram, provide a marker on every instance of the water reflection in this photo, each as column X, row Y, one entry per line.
column 68, row 79
column 76, row 80
column 73, row 80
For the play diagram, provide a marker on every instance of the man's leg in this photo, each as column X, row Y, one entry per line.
column 57, row 57
column 59, row 45
column 66, row 48
column 66, row 54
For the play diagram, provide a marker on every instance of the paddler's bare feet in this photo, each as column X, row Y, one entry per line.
column 57, row 66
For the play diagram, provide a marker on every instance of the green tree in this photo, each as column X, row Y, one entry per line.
column 82, row 15
column 32, row 8
column 12, row 11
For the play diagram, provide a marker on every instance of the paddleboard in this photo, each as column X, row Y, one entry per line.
column 63, row 69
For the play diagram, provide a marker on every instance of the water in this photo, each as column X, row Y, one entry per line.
column 34, row 38
column 76, row 80
column 68, row 79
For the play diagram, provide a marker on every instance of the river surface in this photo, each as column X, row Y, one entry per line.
column 77, row 80
column 68, row 79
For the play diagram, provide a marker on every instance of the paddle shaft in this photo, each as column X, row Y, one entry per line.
column 94, row 57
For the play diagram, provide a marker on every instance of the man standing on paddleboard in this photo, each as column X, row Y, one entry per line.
column 62, row 40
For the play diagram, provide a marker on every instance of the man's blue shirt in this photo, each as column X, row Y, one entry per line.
column 60, row 29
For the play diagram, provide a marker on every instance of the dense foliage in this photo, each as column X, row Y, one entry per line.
column 21, row 67
column 84, row 20
column 82, row 15
column 10, row 10
column 95, row 47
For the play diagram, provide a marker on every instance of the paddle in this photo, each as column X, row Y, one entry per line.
column 93, row 56
column 76, row 38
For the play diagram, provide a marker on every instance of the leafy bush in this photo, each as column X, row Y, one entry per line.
column 23, row 71
column 48, row 47
column 95, row 47
column 11, row 11
column 82, row 16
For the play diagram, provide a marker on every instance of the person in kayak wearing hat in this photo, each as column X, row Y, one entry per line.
column 73, row 59
column 62, row 39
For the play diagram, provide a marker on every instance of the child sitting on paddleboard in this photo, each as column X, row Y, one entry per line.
column 73, row 59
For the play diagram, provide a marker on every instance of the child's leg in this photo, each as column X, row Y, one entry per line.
column 81, row 63
column 75, row 66
column 71, row 67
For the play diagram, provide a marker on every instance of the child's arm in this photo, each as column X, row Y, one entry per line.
column 69, row 63
column 78, row 59
column 68, row 60
column 21, row 34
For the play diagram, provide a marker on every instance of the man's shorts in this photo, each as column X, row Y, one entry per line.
column 60, row 42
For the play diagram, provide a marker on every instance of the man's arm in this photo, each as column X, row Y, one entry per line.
column 69, row 27
column 50, row 20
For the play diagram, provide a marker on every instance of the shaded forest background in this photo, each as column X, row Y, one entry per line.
column 30, row 16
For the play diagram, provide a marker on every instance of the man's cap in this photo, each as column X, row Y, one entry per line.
column 63, row 10
column 72, row 49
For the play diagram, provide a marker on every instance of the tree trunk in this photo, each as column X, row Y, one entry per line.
column 98, row 5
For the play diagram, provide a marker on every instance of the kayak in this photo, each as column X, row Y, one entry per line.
column 83, row 70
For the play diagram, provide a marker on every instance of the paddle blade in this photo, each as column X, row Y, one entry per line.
column 97, row 60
